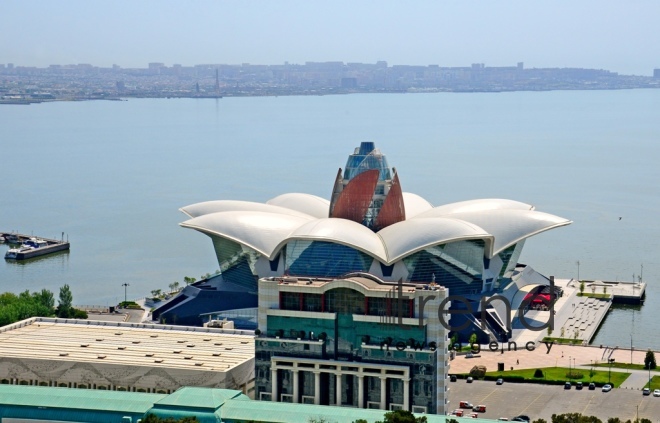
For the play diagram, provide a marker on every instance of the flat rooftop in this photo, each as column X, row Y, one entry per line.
column 369, row 282
column 151, row 345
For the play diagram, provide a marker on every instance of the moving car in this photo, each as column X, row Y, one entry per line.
column 499, row 381
column 607, row 387
column 656, row 393
column 646, row 391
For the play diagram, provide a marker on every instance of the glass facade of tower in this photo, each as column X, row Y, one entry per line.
column 366, row 157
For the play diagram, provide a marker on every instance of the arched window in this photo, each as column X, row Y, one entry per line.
column 344, row 300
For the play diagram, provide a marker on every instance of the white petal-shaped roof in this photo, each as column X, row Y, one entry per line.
column 404, row 238
column 511, row 226
column 342, row 231
column 261, row 231
column 208, row 207
column 415, row 204
column 305, row 203
column 480, row 205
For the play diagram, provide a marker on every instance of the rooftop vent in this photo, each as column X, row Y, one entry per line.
column 100, row 356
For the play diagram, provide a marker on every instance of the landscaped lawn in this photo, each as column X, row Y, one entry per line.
column 558, row 374
column 655, row 383
column 626, row 366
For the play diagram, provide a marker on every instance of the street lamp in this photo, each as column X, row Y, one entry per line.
column 125, row 285
column 609, row 372
column 578, row 265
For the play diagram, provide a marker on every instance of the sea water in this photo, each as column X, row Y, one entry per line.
column 111, row 176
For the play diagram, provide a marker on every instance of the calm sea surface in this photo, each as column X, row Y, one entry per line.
column 112, row 176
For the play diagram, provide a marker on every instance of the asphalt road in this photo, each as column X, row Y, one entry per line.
column 542, row 401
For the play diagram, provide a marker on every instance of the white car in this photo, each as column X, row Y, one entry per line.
column 607, row 387
column 656, row 393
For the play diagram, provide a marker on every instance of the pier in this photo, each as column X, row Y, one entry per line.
column 52, row 245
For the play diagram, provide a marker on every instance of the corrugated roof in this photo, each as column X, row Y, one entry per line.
column 77, row 399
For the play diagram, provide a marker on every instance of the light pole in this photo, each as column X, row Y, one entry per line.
column 609, row 371
column 125, row 285
column 578, row 265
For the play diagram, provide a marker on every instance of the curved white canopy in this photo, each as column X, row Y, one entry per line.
column 305, row 203
column 511, row 226
column 415, row 204
column 404, row 238
column 208, row 207
column 480, row 205
column 341, row 231
column 258, row 230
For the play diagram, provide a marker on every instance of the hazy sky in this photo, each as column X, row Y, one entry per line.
column 621, row 36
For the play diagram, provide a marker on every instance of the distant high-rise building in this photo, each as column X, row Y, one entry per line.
column 656, row 73
column 217, row 81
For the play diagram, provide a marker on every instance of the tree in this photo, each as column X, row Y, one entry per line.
column 649, row 360
column 188, row 280
column 402, row 416
column 65, row 302
column 176, row 285
column 45, row 298
column 539, row 421
column 473, row 338
column 604, row 289
column 581, row 288
column 171, row 286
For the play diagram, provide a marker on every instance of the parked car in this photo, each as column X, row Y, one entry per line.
column 646, row 391
column 578, row 385
column 521, row 418
column 474, row 415
column 499, row 381
column 452, row 378
column 458, row 412
column 656, row 393
column 465, row 404
column 469, row 379
column 592, row 386
column 502, row 419
column 567, row 385
column 607, row 387
column 479, row 408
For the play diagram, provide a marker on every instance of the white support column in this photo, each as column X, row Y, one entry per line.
column 296, row 388
column 406, row 394
column 273, row 380
column 360, row 391
column 383, row 392
column 317, row 387
column 338, row 390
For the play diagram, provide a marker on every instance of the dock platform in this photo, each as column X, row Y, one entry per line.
column 53, row 246
column 622, row 292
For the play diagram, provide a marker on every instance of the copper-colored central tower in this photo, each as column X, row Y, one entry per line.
column 368, row 192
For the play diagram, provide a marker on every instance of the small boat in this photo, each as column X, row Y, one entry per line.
column 2, row 239
column 12, row 238
column 28, row 245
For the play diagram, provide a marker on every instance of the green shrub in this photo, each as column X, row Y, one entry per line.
column 538, row 373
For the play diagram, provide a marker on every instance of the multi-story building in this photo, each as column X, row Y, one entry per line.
column 356, row 341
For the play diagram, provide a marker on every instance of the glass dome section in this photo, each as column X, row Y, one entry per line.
column 367, row 157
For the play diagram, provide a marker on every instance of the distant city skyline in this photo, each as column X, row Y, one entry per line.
column 612, row 35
